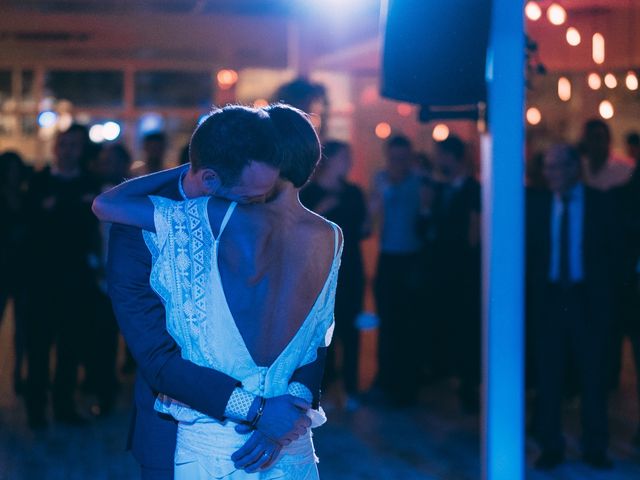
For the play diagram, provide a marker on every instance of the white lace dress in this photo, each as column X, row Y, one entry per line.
column 185, row 275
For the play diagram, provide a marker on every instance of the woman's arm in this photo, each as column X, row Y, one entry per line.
column 129, row 203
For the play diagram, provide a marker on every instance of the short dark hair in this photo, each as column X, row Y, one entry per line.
column 155, row 137
column 633, row 139
column 453, row 145
column 333, row 147
column 398, row 141
column 298, row 146
column 231, row 138
column 595, row 124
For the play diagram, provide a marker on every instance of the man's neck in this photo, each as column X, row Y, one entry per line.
column 189, row 186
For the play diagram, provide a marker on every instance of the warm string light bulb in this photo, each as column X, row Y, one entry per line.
column 534, row 117
column 631, row 81
column 564, row 89
column 606, row 109
column 533, row 11
column 573, row 36
column 594, row 81
column 556, row 14
column 440, row 132
column 597, row 48
column 610, row 80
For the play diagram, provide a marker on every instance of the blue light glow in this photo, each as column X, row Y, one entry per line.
column 151, row 122
column 47, row 119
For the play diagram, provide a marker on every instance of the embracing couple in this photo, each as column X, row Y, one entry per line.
column 223, row 285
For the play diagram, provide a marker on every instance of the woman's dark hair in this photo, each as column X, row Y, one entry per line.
column 298, row 146
column 230, row 139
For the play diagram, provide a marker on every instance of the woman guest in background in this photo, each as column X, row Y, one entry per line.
column 330, row 194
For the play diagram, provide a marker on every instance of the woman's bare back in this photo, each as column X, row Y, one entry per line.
column 274, row 263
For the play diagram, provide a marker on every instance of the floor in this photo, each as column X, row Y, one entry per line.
column 435, row 441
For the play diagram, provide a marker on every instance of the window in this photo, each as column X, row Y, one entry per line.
column 100, row 88
column 173, row 89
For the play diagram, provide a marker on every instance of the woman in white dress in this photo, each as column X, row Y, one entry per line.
column 249, row 290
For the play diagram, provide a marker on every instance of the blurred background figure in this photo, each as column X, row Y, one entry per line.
column 154, row 146
column 13, row 180
column 61, row 282
column 572, row 243
column 395, row 204
column 602, row 169
column 111, row 167
column 450, row 228
column 331, row 195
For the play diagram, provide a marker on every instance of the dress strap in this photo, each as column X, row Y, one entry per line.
column 336, row 239
column 226, row 218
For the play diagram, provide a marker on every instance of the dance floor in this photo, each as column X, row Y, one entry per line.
column 434, row 441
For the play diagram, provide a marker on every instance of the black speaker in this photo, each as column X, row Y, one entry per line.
column 435, row 51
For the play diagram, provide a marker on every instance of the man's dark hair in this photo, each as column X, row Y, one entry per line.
column 155, row 137
column 398, row 141
column 231, row 138
column 453, row 145
column 333, row 147
column 633, row 139
column 596, row 124
column 298, row 146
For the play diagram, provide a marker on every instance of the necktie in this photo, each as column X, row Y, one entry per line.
column 564, row 277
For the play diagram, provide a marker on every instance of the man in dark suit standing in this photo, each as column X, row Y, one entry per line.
column 161, row 368
column 571, row 270
column 450, row 224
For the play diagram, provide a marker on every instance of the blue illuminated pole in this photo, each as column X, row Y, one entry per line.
column 503, row 243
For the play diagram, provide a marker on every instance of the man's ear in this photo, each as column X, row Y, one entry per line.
column 210, row 180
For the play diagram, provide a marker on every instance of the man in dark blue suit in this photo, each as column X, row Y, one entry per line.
column 573, row 244
column 141, row 316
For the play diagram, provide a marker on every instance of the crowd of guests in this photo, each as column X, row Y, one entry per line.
column 52, row 259
column 582, row 252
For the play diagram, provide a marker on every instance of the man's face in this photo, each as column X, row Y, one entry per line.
column 399, row 161
column 597, row 143
column 69, row 149
column 449, row 167
column 256, row 184
column 561, row 170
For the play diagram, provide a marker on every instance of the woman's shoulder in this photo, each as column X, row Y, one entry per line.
column 319, row 229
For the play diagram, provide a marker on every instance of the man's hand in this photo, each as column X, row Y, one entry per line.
column 284, row 419
column 259, row 453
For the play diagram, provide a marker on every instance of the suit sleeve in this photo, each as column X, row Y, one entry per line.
column 141, row 317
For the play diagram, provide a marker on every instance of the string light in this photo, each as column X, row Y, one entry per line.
column 631, row 80
column 564, row 89
column 606, row 109
column 533, row 11
column 597, row 48
column 227, row 79
column 440, row 132
column 573, row 37
column 404, row 109
column 610, row 80
column 594, row 81
column 556, row 14
column 534, row 117
column 383, row 130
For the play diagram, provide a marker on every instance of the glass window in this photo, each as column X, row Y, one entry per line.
column 27, row 85
column 95, row 88
column 5, row 84
column 173, row 89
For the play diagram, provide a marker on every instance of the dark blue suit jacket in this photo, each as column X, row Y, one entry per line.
column 141, row 316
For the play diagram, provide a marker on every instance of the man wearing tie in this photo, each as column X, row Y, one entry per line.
column 571, row 271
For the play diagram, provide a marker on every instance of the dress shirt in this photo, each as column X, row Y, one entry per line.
column 576, row 220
